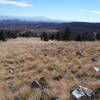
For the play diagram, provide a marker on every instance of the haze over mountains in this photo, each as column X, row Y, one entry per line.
column 24, row 23
column 36, row 19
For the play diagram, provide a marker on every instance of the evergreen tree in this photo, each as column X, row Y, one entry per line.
column 58, row 36
column 44, row 36
column 78, row 38
column 67, row 34
column 98, row 36
column 3, row 35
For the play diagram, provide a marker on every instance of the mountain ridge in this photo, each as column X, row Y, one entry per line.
column 76, row 27
column 36, row 18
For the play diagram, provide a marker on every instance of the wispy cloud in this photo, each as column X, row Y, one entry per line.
column 16, row 3
column 91, row 11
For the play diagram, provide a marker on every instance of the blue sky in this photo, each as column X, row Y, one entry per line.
column 73, row 10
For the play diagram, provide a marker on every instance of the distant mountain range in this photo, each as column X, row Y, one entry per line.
column 37, row 23
column 35, row 19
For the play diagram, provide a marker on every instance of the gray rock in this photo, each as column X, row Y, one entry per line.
column 80, row 53
column 82, row 93
column 11, row 71
column 94, row 59
column 35, row 84
column 96, row 69
column 41, row 83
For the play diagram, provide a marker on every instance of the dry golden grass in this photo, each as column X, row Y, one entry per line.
column 24, row 60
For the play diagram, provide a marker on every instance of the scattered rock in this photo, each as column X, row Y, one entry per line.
column 11, row 71
column 80, row 53
column 94, row 59
column 96, row 69
column 35, row 84
column 82, row 93
column 42, row 83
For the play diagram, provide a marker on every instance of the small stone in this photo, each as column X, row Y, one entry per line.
column 96, row 69
column 80, row 53
column 11, row 71
column 35, row 84
column 94, row 59
column 82, row 93
column 39, row 83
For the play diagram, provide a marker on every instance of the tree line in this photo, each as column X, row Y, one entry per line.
column 65, row 35
column 12, row 34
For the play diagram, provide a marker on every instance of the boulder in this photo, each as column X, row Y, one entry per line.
column 96, row 69
column 82, row 93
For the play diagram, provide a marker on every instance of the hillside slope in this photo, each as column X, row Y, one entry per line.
column 62, row 64
column 25, row 25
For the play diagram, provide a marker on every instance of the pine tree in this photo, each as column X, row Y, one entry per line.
column 3, row 35
column 67, row 34
column 78, row 38
column 44, row 36
column 98, row 36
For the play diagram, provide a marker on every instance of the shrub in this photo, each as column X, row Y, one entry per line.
column 3, row 35
column 44, row 36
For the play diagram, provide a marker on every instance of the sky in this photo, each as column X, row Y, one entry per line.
column 68, row 10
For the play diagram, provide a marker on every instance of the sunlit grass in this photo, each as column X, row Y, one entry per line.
column 24, row 60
